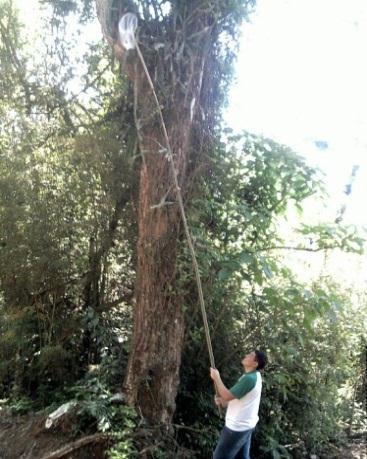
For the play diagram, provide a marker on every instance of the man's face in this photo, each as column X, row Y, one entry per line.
column 249, row 360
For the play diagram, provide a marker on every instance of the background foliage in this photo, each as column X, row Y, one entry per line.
column 68, row 189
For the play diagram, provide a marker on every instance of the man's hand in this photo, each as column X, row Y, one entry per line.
column 220, row 388
column 217, row 400
column 220, row 402
column 214, row 374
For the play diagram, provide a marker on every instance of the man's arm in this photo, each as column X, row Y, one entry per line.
column 223, row 392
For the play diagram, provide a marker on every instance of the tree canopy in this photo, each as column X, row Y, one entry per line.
column 75, row 148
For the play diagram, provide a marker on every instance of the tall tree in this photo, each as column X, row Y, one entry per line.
column 187, row 50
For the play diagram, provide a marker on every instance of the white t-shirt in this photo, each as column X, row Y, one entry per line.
column 243, row 411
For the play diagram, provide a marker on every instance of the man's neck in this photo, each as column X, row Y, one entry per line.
column 249, row 369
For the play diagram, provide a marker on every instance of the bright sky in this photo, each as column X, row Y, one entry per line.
column 301, row 79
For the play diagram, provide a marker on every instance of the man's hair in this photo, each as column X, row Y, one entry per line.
column 261, row 359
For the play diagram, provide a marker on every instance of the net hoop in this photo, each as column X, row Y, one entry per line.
column 127, row 27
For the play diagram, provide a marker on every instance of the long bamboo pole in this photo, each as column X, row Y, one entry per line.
column 183, row 216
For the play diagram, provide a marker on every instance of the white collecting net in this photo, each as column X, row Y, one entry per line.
column 127, row 26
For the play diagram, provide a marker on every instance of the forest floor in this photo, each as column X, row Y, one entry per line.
column 26, row 437
column 354, row 451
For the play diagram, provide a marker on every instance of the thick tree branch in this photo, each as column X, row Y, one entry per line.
column 303, row 249
column 17, row 65
column 62, row 452
column 126, row 58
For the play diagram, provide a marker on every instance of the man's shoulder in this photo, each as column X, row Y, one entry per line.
column 253, row 376
column 251, row 380
column 245, row 384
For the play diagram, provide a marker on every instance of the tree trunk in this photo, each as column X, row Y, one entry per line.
column 153, row 370
column 189, row 33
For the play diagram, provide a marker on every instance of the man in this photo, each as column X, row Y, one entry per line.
column 242, row 401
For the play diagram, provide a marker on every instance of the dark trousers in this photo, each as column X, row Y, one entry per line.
column 233, row 445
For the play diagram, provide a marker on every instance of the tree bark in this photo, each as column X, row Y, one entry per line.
column 153, row 370
column 152, row 376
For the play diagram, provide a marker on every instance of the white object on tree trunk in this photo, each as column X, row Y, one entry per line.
column 63, row 409
column 127, row 26
column 192, row 106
